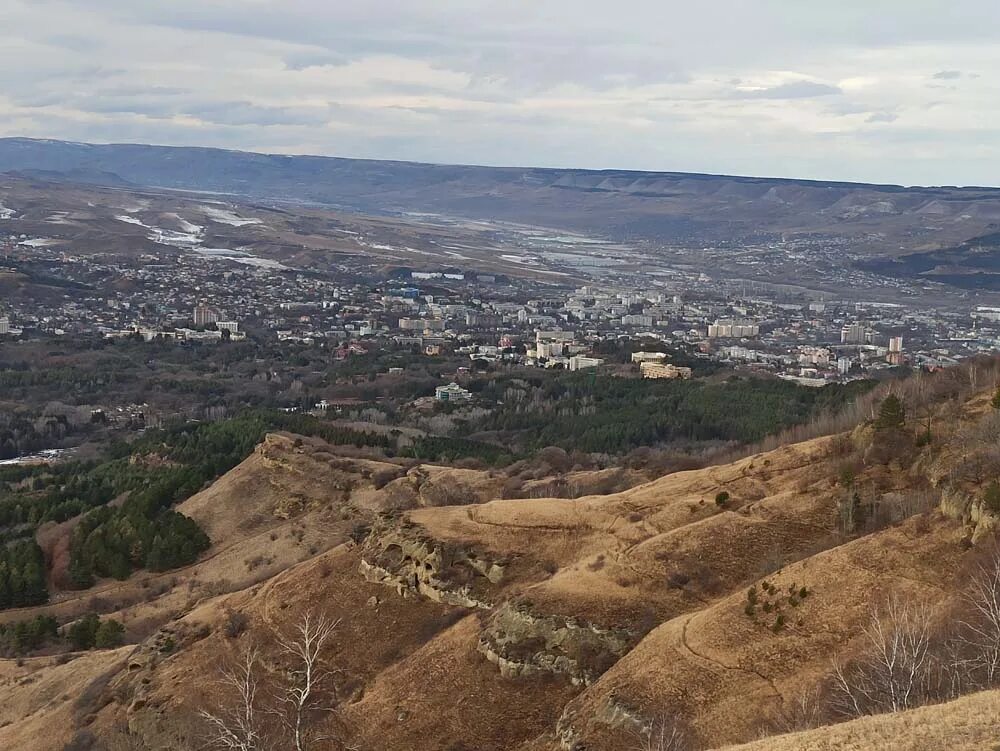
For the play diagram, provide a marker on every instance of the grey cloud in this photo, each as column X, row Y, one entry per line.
column 882, row 117
column 791, row 90
column 947, row 75
column 305, row 59
column 73, row 42
column 246, row 113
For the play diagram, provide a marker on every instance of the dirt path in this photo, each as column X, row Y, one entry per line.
column 720, row 667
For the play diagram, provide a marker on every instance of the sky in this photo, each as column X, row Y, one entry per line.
column 900, row 91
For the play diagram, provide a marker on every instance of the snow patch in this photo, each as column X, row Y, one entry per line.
column 39, row 242
column 224, row 216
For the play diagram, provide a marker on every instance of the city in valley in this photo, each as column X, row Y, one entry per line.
column 335, row 455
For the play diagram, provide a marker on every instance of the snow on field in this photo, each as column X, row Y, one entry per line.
column 527, row 261
column 39, row 242
column 45, row 455
column 224, row 216
column 190, row 237
column 6, row 213
column 263, row 263
column 175, row 239
column 131, row 220
column 186, row 226
column 240, row 256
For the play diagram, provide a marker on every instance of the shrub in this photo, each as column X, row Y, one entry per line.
column 721, row 498
column 359, row 532
column 678, row 580
column 383, row 477
column 236, row 624
column 83, row 633
column 991, row 497
column 845, row 477
column 109, row 634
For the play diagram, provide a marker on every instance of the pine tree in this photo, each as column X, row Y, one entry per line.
column 891, row 414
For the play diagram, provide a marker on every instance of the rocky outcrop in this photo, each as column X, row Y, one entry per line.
column 403, row 558
column 970, row 510
column 521, row 643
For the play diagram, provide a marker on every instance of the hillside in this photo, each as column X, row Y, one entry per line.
column 655, row 205
column 966, row 724
column 549, row 624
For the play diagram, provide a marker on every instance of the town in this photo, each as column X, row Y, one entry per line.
column 491, row 319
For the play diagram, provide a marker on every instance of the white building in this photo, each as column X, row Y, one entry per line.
column 648, row 356
column 4, row 325
column 580, row 362
column 452, row 393
column 637, row 320
column 663, row 370
column 732, row 330
column 421, row 324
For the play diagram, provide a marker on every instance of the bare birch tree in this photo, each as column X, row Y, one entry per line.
column 663, row 734
column 299, row 697
column 979, row 632
column 294, row 699
column 894, row 668
column 238, row 727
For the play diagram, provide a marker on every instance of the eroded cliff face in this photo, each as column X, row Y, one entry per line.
column 521, row 643
column 517, row 640
column 402, row 557
column 970, row 510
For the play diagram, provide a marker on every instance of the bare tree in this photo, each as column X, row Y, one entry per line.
column 294, row 698
column 663, row 734
column 238, row 727
column 894, row 668
column 803, row 713
column 980, row 630
column 300, row 697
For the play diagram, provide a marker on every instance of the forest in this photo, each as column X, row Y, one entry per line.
column 151, row 474
column 576, row 411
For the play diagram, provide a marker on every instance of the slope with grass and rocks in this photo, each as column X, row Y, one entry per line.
column 716, row 599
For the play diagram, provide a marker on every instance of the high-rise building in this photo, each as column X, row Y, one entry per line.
column 855, row 333
column 732, row 330
column 4, row 325
column 204, row 315
column 895, row 356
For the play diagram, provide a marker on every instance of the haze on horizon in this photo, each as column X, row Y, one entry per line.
column 902, row 94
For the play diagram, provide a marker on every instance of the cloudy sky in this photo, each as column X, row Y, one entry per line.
column 874, row 90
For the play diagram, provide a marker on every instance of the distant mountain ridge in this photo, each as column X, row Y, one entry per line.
column 672, row 206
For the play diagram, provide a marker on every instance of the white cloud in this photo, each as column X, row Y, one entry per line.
column 837, row 91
